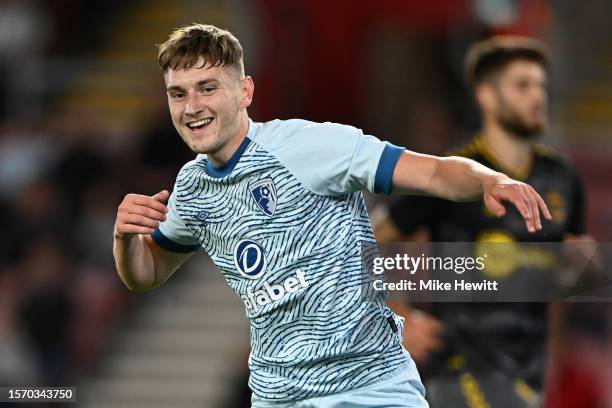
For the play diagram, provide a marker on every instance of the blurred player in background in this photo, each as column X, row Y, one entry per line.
column 278, row 208
column 508, row 76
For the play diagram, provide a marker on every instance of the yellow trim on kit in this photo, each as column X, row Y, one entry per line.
column 546, row 151
column 469, row 150
column 520, row 174
column 525, row 392
column 474, row 397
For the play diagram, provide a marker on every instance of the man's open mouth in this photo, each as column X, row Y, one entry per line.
column 199, row 124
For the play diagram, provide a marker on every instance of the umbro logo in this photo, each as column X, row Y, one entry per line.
column 202, row 218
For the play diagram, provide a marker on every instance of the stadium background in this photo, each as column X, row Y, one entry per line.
column 83, row 121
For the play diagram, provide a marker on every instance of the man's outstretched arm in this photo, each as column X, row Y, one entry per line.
column 458, row 179
column 141, row 263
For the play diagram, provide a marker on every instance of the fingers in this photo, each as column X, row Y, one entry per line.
column 524, row 208
column 428, row 340
column 140, row 220
column 148, row 212
column 543, row 206
column 147, row 202
column 494, row 206
column 140, row 214
column 527, row 201
column 425, row 321
column 535, row 207
column 416, row 349
column 516, row 195
column 419, row 345
column 531, row 203
column 162, row 196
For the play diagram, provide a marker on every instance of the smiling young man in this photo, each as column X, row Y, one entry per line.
column 278, row 208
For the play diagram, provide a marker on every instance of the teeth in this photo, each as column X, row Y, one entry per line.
column 200, row 122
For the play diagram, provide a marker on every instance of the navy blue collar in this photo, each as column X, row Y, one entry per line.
column 227, row 167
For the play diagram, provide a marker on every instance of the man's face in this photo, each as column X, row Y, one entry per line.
column 205, row 104
column 521, row 100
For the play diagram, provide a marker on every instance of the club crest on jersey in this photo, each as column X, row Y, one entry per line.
column 264, row 194
column 250, row 259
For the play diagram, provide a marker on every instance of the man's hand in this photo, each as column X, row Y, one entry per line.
column 140, row 214
column 422, row 335
column 522, row 196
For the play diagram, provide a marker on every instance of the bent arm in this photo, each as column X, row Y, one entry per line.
column 142, row 264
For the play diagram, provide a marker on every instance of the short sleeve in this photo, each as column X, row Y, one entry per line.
column 172, row 234
column 329, row 158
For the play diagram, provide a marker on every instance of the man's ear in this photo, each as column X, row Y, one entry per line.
column 248, row 88
column 485, row 96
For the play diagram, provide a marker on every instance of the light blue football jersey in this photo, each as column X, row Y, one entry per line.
column 285, row 221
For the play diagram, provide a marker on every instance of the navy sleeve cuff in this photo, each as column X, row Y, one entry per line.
column 169, row 245
column 383, row 179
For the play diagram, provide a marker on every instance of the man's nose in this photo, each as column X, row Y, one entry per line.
column 539, row 94
column 194, row 105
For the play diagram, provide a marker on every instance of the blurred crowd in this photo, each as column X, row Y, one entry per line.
column 60, row 188
column 62, row 176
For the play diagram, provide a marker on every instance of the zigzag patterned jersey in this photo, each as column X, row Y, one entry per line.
column 285, row 221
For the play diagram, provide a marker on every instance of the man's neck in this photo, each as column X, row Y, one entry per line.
column 225, row 153
column 510, row 151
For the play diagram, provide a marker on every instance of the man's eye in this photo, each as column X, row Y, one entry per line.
column 522, row 85
column 177, row 96
column 208, row 90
